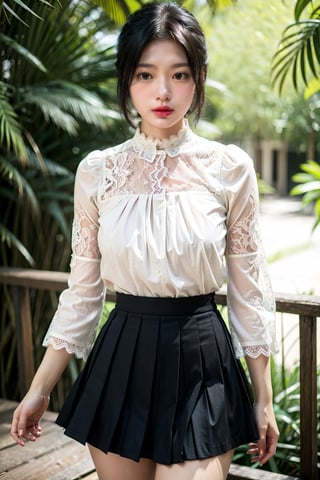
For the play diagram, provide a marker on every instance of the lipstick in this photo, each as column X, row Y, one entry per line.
column 162, row 111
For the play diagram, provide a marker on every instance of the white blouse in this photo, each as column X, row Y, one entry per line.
column 167, row 218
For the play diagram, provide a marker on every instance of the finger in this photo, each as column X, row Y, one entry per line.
column 14, row 429
column 262, row 445
column 270, row 450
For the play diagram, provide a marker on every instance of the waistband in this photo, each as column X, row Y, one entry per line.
column 165, row 305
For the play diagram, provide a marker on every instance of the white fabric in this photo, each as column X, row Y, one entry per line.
column 167, row 218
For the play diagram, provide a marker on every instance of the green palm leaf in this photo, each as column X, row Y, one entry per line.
column 299, row 7
column 24, row 52
column 298, row 51
column 15, row 178
column 10, row 129
column 12, row 241
column 118, row 10
column 62, row 103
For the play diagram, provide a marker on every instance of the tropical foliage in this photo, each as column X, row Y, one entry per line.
column 57, row 102
column 299, row 54
column 309, row 187
column 286, row 388
column 299, row 49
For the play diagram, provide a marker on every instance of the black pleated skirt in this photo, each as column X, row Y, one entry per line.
column 162, row 382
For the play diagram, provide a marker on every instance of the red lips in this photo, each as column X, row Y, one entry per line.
column 162, row 111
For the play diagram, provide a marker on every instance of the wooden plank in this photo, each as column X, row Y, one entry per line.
column 298, row 304
column 6, row 412
column 15, row 455
column 51, row 280
column 70, row 462
column 308, row 398
column 21, row 302
column 239, row 472
column 91, row 476
column 39, row 279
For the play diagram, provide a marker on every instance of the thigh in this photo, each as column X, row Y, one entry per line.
column 113, row 467
column 207, row 469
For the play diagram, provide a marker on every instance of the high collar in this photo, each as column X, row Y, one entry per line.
column 148, row 148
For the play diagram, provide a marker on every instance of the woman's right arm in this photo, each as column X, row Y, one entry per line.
column 26, row 418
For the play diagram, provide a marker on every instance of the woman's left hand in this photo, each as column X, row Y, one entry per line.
column 264, row 448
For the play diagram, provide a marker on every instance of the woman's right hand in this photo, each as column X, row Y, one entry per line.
column 26, row 417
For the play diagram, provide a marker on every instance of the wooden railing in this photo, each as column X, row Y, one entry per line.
column 306, row 307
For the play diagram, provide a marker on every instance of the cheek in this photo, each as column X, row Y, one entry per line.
column 137, row 92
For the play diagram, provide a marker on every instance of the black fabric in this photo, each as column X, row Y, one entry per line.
column 162, row 382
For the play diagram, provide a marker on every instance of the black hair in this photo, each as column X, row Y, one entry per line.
column 159, row 21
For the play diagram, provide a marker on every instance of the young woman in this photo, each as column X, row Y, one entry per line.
column 163, row 395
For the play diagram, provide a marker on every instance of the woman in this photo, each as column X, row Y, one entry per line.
column 163, row 395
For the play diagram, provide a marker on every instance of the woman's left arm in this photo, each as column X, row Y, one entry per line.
column 260, row 375
column 251, row 304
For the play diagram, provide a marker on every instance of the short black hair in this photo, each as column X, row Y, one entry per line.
column 160, row 21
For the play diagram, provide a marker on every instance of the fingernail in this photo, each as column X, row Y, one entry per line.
column 20, row 433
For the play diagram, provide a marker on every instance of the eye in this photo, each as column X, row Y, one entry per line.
column 181, row 75
column 144, row 75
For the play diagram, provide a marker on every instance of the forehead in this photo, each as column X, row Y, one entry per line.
column 165, row 50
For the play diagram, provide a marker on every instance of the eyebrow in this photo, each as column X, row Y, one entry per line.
column 175, row 65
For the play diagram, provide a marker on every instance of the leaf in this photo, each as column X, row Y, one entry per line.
column 296, row 51
column 10, row 128
column 299, row 7
column 20, row 183
column 313, row 87
column 312, row 167
column 13, row 242
column 306, row 187
column 302, row 177
column 24, row 52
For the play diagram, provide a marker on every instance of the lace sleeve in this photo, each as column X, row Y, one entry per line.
column 75, row 321
column 251, row 305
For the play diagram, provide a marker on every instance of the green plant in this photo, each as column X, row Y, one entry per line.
column 286, row 388
column 299, row 49
column 309, row 187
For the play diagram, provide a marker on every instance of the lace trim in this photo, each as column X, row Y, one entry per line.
column 71, row 348
column 254, row 351
column 84, row 236
column 242, row 238
column 148, row 148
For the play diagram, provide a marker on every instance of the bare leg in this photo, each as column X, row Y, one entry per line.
column 113, row 467
column 215, row 468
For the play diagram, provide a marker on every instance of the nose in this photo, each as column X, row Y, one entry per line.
column 163, row 90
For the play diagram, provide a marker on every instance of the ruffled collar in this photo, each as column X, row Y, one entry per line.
column 148, row 148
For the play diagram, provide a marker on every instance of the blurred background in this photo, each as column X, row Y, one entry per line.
column 58, row 102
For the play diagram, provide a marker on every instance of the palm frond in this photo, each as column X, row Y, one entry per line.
column 63, row 102
column 118, row 10
column 300, row 7
column 12, row 241
column 10, row 128
column 298, row 52
column 24, row 52
column 15, row 178
column 14, row 3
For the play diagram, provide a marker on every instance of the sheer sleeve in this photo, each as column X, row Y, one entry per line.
column 74, row 324
column 251, row 305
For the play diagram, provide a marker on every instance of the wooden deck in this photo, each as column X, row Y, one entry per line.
column 54, row 456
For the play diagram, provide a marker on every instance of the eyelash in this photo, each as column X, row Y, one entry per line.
column 143, row 75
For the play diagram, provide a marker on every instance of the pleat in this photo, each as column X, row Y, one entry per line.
column 115, row 382
column 164, row 387
column 85, row 393
column 130, row 432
